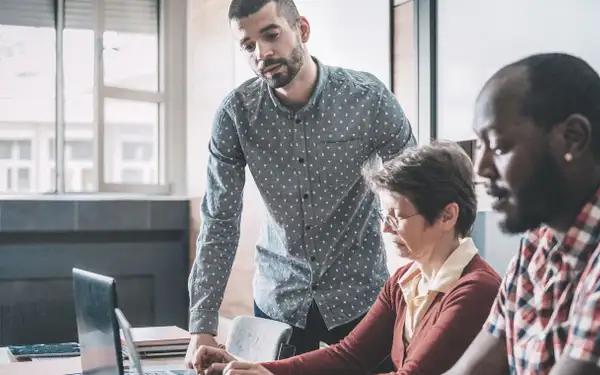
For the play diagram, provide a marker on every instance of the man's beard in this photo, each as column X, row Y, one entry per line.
column 290, row 68
column 540, row 199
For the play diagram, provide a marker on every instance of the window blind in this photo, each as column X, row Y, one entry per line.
column 136, row 16
column 36, row 13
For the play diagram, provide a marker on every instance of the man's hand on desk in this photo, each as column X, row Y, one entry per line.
column 237, row 368
column 196, row 341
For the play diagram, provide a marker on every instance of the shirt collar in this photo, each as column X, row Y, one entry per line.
column 450, row 272
column 322, row 77
column 582, row 238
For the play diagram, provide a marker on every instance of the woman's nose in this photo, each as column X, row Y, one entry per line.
column 387, row 228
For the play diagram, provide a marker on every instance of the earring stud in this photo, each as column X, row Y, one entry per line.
column 568, row 157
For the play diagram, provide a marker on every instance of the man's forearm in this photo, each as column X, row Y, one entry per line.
column 217, row 244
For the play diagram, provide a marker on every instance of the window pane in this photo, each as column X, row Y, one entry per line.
column 134, row 124
column 79, row 87
column 51, row 150
column 140, row 151
column 70, row 183
column 87, row 179
column 27, row 90
column 23, row 180
column 6, row 149
column 52, row 176
column 131, row 57
column 467, row 58
column 405, row 61
column 23, row 149
column 132, row 176
column 81, row 150
column 9, row 179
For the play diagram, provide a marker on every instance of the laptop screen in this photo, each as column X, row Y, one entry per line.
column 95, row 301
column 126, row 329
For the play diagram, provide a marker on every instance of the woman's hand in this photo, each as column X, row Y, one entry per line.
column 206, row 356
column 237, row 368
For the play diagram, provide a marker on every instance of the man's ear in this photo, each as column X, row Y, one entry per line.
column 304, row 28
column 576, row 132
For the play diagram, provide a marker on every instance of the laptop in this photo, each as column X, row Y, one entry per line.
column 98, row 329
column 134, row 356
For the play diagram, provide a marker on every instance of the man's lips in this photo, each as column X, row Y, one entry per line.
column 500, row 196
column 271, row 68
column 497, row 192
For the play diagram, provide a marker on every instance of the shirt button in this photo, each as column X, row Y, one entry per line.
column 313, row 258
column 301, row 160
column 308, row 227
column 305, row 196
column 313, row 286
column 298, row 121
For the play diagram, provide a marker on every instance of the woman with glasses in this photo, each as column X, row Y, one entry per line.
column 430, row 310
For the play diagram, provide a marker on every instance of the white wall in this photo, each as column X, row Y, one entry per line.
column 353, row 34
column 476, row 38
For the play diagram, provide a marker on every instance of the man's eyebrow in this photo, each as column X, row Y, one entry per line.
column 269, row 27
column 262, row 31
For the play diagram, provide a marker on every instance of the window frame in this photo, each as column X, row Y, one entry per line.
column 14, row 163
column 425, row 34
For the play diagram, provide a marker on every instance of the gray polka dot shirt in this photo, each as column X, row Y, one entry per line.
column 322, row 238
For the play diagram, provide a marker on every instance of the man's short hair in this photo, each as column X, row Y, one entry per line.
column 559, row 85
column 239, row 9
column 431, row 177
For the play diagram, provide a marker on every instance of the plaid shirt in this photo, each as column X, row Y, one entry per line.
column 549, row 301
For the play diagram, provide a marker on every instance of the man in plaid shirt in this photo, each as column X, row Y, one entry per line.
column 538, row 127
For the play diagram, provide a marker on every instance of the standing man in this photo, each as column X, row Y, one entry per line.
column 304, row 130
column 538, row 126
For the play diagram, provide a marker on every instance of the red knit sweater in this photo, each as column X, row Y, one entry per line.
column 443, row 334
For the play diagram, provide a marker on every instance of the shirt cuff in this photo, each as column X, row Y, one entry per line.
column 204, row 321
column 281, row 367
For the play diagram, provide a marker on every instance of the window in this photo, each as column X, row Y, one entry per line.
column 405, row 61
column 74, row 109
column 16, row 165
column 474, row 42
column 132, row 176
column 15, row 149
column 129, row 96
column 27, row 90
column 80, row 150
column 74, row 150
column 134, row 127
column 79, row 158
column 137, row 151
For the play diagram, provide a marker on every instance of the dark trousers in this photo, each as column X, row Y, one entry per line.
column 315, row 332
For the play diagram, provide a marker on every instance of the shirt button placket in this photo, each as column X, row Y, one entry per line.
column 305, row 189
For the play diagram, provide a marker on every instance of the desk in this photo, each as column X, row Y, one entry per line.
column 52, row 367
column 63, row 366
column 55, row 366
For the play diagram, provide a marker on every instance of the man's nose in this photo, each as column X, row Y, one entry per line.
column 263, row 51
column 484, row 164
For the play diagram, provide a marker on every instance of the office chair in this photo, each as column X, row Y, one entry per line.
column 259, row 340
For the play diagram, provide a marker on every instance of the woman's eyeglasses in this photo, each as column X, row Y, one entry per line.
column 391, row 220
